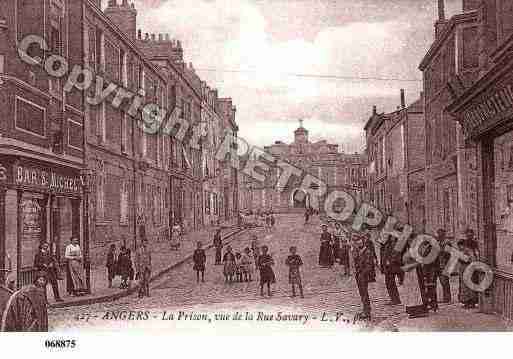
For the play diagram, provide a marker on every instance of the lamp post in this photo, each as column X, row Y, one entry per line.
column 86, row 175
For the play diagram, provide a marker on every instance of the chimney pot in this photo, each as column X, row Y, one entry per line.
column 152, row 37
column 161, row 37
column 403, row 99
column 139, row 34
column 167, row 37
column 374, row 110
column 146, row 36
column 441, row 10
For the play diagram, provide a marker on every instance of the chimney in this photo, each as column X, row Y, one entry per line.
column 440, row 23
column 441, row 10
column 167, row 37
column 161, row 38
column 153, row 37
column 374, row 110
column 139, row 34
column 124, row 17
column 403, row 99
column 146, row 36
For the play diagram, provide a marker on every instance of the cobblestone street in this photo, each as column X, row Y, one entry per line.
column 326, row 290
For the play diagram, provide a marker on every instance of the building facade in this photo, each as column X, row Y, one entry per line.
column 41, row 139
column 338, row 170
column 484, row 110
column 395, row 150
column 72, row 166
column 450, row 171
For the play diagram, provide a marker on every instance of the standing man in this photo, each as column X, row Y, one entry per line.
column 218, row 244
column 45, row 262
column 363, row 267
column 444, row 258
column 143, row 268
column 390, row 267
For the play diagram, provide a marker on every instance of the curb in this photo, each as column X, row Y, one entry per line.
column 125, row 293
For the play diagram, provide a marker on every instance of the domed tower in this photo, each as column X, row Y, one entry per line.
column 301, row 134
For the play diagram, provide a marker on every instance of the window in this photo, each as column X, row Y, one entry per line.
column 123, row 68
column 100, row 192
column 99, row 55
column 30, row 117
column 123, row 210
column 470, row 48
column 207, row 203
column 112, row 61
column 75, row 134
column 124, row 132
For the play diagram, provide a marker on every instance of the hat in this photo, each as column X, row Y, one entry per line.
column 324, row 225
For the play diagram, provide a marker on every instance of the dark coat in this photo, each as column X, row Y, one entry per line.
column 364, row 265
column 199, row 258
column 47, row 263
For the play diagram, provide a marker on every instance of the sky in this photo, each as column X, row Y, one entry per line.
column 253, row 50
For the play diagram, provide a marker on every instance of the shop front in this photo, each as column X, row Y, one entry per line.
column 485, row 112
column 39, row 202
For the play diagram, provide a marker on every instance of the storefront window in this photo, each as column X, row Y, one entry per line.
column 33, row 227
column 503, row 154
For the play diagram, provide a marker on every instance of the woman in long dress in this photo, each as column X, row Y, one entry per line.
column 326, row 258
column 229, row 265
column 74, row 257
column 467, row 296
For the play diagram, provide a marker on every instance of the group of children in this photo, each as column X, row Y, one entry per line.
column 120, row 266
column 239, row 267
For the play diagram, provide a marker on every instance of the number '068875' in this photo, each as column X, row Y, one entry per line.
column 60, row 344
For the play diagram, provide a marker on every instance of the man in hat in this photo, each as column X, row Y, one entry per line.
column 363, row 267
column 443, row 260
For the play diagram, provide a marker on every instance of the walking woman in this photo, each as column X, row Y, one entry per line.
column 326, row 259
column 467, row 296
column 265, row 265
column 229, row 265
column 73, row 255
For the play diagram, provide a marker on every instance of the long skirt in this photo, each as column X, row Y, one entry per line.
column 326, row 258
column 467, row 295
column 229, row 269
column 267, row 275
column 77, row 275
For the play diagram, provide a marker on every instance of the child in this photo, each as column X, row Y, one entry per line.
column 199, row 258
column 111, row 264
column 229, row 265
column 294, row 262
column 247, row 265
column 238, row 267
column 265, row 263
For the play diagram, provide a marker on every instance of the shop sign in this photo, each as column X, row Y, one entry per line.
column 46, row 179
column 484, row 112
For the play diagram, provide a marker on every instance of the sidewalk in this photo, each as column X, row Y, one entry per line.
column 453, row 318
column 163, row 260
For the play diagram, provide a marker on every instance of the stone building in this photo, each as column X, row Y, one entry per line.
column 395, row 151
column 338, row 170
column 74, row 166
column 484, row 110
column 450, row 163
column 41, row 138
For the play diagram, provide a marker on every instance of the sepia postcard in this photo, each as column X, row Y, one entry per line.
column 255, row 166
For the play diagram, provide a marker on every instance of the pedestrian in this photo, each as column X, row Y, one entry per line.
column 125, row 267
column 343, row 252
column 218, row 245
column 390, row 266
column 369, row 243
column 468, row 297
column 335, row 245
column 444, row 258
column 238, row 267
column 229, row 265
column 247, row 265
column 143, row 268
column 294, row 262
column 265, row 265
column 255, row 249
column 111, row 264
column 307, row 216
column 45, row 262
column 430, row 272
column 199, row 258
column 176, row 233
column 363, row 263
column 73, row 255
column 326, row 259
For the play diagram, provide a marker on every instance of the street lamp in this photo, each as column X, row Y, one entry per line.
column 86, row 176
